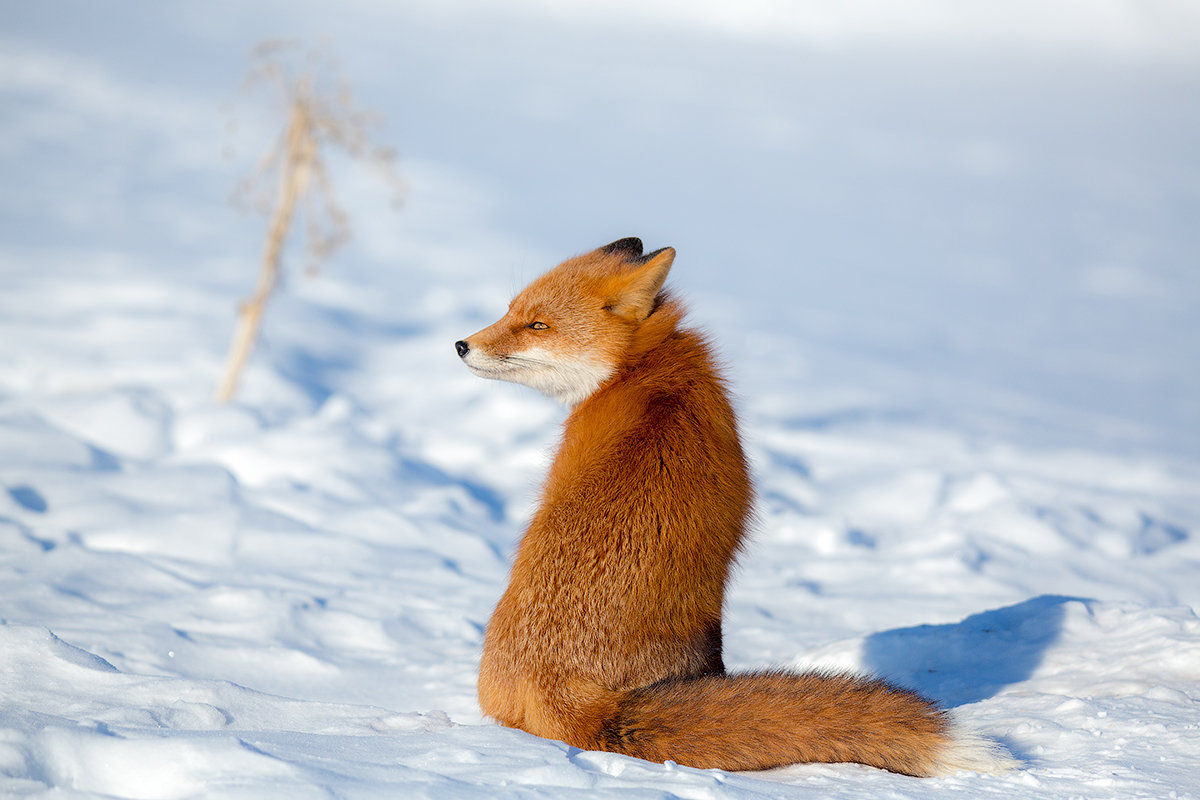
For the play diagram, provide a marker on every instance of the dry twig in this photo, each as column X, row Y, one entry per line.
column 318, row 116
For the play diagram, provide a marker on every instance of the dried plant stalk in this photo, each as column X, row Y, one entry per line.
column 300, row 149
column 303, row 186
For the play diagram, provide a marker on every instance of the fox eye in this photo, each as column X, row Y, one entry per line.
column 538, row 326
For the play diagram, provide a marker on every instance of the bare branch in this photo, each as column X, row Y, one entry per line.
column 316, row 118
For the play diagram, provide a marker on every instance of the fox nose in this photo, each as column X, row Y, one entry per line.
column 463, row 348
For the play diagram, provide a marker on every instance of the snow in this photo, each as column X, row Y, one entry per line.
column 948, row 258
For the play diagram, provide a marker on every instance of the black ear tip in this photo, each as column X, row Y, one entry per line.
column 630, row 247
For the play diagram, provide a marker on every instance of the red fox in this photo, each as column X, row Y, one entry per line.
column 609, row 634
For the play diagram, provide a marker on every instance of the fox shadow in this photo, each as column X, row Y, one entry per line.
column 972, row 660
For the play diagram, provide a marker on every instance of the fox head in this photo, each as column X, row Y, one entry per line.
column 568, row 332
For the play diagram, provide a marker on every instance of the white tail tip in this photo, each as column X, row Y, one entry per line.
column 970, row 751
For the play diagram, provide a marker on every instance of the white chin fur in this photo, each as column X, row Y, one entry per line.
column 568, row 380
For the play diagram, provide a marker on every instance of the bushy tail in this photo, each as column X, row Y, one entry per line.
column 769, row 719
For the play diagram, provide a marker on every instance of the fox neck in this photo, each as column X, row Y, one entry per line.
column 567, row 380
column 578, row 379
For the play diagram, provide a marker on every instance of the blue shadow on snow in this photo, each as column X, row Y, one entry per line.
column 486, row 496
column 965, row 662
column 28, row 498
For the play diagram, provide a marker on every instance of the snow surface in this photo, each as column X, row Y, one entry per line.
column 951, row 266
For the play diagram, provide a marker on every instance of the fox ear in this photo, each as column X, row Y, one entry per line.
column 635, row 294
column 630, row 248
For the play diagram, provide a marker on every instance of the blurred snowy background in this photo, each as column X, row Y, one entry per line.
column 993, row 200
column 949, row 250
